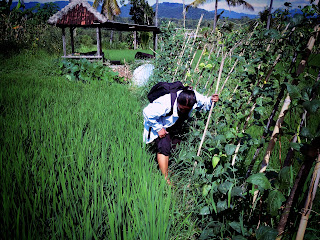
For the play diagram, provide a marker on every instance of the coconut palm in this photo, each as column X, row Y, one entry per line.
column 110, row 8
column 269, row 16
column 232, row 3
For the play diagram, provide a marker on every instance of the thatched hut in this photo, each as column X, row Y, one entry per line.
column 79, row 13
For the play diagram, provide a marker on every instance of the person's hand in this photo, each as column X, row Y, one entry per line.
column 215, row 98
column 162, row 133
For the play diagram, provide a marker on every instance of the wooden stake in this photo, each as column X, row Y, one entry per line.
column 212, row 105
column 308, row 205
column 273, row 140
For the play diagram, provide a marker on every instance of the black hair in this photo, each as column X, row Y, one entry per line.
column 187, row 98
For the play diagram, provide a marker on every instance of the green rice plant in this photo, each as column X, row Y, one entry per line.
column 73, row 164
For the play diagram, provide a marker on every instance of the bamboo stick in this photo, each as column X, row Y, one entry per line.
column 181, row 55
column 273, row 140
column 212, row 105
column 188, row 69
column 200, row 20
column 200, row 76
column 204, row 49
column 287, row 208
column 308, row 205
column 275, row 108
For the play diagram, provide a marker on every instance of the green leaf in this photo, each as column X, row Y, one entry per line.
column 205, row 211
column 260, row 110
column 222, row 205
column 295, row 146
column 285, row 178
column 230, row 148
column 206, row 234
column 266, row 233
column 259, row 101
column 312, row 106
column 221, row 138
column 238, row 237
column 274, row 202
column 229, row 135
column 256, row 90
column 205, row 190
column 305, row 132
column 293, row 91
column 218, row 171
column 236, row 226
column 237, row 191
column 215, row 161
column 260, row 180
column 224, row 187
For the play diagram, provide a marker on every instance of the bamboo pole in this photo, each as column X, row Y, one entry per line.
column 188, row 69
column 273, row 140
column 200, row 20
column 200, row 76
column 204, row 49
column 286, row 211
column 275, row 108
column 212, row 105
column 308, row 204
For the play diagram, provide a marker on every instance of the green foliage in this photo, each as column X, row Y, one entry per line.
column 85, row 71
column 142, row 13
column 72, row 162
column 221, row 190
column 27, row 29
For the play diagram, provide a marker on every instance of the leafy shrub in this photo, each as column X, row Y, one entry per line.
column 86, row 71
column 27, row 28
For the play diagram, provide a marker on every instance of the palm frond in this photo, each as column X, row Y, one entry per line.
column 235, row 3
column 196, row 3
column 110, row 8
column 96, row 3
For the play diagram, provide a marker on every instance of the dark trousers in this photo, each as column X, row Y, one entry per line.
column 166, row 144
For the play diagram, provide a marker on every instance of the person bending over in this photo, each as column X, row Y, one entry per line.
column 162, row 126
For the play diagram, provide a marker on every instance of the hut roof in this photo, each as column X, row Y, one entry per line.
column 77, row 13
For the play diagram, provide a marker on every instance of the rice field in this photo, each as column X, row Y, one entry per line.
column 73, row 164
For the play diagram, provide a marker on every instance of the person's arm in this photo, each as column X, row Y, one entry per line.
column 154, row 111
column 204, row 102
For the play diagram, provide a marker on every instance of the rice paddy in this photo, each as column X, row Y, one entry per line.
column 72, row 160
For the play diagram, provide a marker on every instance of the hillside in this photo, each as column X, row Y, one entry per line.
column 174, row 10
column 166, row 10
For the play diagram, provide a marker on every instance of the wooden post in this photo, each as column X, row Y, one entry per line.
column 64, row 42
column 72, row 39
column 135, row 40
column 155, row 43
column 308, row 204
column 99, row 50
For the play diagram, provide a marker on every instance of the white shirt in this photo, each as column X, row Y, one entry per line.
column 155, row 114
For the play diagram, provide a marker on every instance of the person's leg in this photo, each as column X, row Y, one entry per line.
column 163, row 162
column 164, row 149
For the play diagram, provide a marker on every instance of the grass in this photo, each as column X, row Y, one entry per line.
column 122, row 55
column 72, row 162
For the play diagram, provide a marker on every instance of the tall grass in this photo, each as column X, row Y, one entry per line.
column 72, row 160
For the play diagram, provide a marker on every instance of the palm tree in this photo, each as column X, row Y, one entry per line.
column 269, row 16
column 232, row 3
column 110, row 8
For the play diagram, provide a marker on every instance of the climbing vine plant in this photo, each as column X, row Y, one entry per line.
column 237, row 186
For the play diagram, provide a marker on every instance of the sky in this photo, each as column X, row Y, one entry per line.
column 259, row 5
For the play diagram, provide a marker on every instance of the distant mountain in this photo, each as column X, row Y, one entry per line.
column 168, row 10
column 60, row 4
column 174, row 10
column 232, row 14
